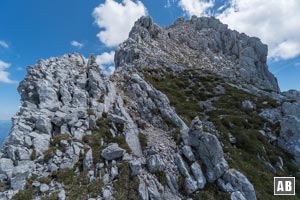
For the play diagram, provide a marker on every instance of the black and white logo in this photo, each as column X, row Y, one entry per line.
column 284, row 185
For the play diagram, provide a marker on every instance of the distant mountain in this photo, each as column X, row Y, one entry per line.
column 5, row 126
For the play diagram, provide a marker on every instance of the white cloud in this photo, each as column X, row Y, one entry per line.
column 275, row 22
column 4, row 75
column 77, row 44
column 116, row 20
column 196, row 7
column 4, row 44
column 106, row 62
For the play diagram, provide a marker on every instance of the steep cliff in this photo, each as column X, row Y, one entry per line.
column 191, row 112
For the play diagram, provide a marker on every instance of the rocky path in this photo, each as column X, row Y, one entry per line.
column 160, row 142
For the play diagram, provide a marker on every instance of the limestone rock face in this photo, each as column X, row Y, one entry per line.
column 290, row 136
column 209, row 150
column 197, row 43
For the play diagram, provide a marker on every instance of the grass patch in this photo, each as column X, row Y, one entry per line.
column 103, row 132
column 126, row 187
column 161, row 177
column 143, row 141
column 185, row 89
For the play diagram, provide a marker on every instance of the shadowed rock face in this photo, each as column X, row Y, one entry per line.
column 197, row 43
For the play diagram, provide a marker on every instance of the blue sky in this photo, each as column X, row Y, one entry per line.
column 34, row 29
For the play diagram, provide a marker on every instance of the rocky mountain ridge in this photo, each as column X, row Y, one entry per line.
column 190, row 113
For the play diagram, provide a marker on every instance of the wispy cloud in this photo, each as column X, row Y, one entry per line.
column 75, row 43
column 297, row 64
column 116, row 20
column 4, row 75
column 4, row 44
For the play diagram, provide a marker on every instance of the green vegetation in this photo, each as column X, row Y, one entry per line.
column 126, row 187
column 161, row 177
column 185, row 89
column 28, row 192
column 90, row 112
column 103, row 132
column 55, row 144
column 143, row 141
column 211, row 192
column 2, row 187
column 77, row 186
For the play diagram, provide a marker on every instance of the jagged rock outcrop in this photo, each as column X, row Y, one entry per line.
column 80, row 134
column 197, row 43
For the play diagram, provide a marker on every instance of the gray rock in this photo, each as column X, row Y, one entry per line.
column 130, row 130
column 36, row 184
column 237, row 196
column 238, row 57
column 107, row 194
column 154, row 163
column 143, row 191
column 135, row 167
column 292, row 94
column 198, row 174
column 112, row 152
column 187, row 152
column 18, row 182
column 6, row 166
column 190, row 185
column 248, row 105
column 43, row 124
column 233, row 181
column 291, row 109
column 62, row 194
column 272, row 115
column 182, row 166
column 114, row 172
column 153, row 191
column 289, row 138
column 44, row 188
column 209, row 150
column 88, row 160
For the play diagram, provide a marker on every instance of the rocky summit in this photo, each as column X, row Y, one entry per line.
column 191, row 112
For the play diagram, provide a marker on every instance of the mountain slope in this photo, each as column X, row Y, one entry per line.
column 191, row 112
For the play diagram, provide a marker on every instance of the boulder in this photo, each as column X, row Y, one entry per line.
column 154, row 163
column 88, row 160
column 198, row 175
column 233, row 181
column 190, row 185
column 182, row 166
column 143, row 191
column 44, row 188
column 135, row 167
column 248, row 105
column 112, row 152
column 289, row 138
